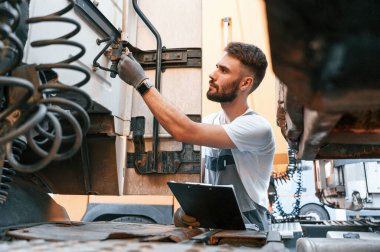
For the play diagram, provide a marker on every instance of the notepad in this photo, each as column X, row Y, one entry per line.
column 214, row 206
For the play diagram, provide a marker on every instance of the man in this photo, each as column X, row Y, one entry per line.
column 239, row 144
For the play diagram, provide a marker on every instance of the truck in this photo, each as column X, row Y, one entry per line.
column 74, row 46
column 72, row 133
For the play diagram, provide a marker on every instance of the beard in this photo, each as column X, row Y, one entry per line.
column 225, row 93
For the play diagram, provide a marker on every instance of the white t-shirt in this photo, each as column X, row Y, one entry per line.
column 252, row 134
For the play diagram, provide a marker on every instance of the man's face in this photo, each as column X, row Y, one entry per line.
column 224, row 81
column 223, row 93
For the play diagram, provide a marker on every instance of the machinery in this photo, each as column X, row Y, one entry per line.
column 324, row 56
column 328, row 87
column 69, row 126
column 92, row 134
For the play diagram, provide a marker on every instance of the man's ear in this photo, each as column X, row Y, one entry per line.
column 247, row 83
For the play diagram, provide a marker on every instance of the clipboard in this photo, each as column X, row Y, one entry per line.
column 213, row 206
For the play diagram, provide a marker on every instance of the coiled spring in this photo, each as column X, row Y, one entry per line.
column 51, row 122
column 63, row 40
column 6, row 173
column 11, row 53
column 10, row 44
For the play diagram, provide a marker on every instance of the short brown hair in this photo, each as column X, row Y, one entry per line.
column 250, row 56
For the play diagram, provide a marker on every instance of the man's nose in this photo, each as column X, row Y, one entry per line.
column 212, row 75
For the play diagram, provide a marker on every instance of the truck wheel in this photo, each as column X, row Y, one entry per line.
column 135, row 219
column 125, row 218
column 315, row 212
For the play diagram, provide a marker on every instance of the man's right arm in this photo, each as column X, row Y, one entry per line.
column 174, row 121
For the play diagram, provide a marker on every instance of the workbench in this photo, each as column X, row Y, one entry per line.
column 121, row 236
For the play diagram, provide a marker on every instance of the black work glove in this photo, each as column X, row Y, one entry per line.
column 130, row 70
column 181, row 219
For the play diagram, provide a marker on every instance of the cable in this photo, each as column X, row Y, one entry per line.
column 293, row 168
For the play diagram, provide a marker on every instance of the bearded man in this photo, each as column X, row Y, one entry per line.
column 237, row 144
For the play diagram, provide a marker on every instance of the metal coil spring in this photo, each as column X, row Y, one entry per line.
column 9, row 42
column 11, row 49
column 6, row 173
column 63, row 40
column 57, row 106
column 11, row 124
column 42, row 121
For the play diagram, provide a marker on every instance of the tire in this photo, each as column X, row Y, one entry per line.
column 315, row 212
column 135, row 219
column 125, row 218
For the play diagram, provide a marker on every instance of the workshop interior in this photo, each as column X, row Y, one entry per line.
column 84, row 164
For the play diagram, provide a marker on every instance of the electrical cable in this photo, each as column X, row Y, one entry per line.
column 292, row 169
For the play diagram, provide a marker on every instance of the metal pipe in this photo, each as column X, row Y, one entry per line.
column 124, row 22
column 155, row 138
column 226, row 32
